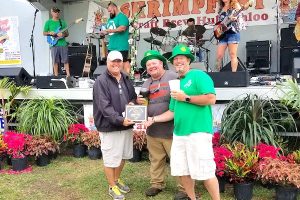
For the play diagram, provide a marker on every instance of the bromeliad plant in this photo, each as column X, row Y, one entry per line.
column 17, row 144
column 240, row 167
column 253, row 119
column 74, row 133
column 50, row 117
column 91, row 139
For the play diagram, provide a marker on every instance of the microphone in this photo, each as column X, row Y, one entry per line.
column 155, row 18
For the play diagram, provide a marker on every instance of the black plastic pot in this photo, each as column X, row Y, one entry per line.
column 243, row 191
column 79, row 151
column 43, row 160
column 137, row 155
column 19, row 164
column 94, row 153
column 286, row 193
column 53, row 155
column 8, row 160
column 222, row 182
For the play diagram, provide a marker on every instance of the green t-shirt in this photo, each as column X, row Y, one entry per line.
column 118, row 41
column 191, row 118
column 52, row 25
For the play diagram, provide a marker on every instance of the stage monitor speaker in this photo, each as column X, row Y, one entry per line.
column 241, row 66
column 230, row 79
column 18, row 74
column 99, row 70
column 51, row 82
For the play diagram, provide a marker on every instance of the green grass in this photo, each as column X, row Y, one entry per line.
column 81, row 178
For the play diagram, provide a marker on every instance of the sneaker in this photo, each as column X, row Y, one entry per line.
column 150, row 192
column 115, row 193
column 122, row 187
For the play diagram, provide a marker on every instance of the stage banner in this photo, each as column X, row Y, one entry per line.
column 287, row 9
column 97, row 17
column 263, row 12
column 9, row 41
column 1, row 121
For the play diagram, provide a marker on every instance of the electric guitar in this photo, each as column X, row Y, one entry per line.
column 222, row 26
column 53, row 39
column 297, row 31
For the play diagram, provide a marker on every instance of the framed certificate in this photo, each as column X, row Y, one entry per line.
column 136, row 113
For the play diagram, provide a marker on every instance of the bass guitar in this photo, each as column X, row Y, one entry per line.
column 297, row 31
column 53, row 39
column 222, row 26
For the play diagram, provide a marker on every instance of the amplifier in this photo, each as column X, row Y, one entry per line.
column 54, row 82
column 230, row 79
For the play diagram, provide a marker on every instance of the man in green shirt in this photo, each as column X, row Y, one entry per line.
column 192, row 156
column 59, row 51
column 117, row 28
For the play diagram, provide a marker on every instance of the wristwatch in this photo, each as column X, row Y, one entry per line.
column 187, row 98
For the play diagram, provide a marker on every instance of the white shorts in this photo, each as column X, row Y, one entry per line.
column 193, row 155
column 116, row 146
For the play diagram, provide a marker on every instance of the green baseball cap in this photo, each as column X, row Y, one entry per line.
column 181, row 49
column 152, row 54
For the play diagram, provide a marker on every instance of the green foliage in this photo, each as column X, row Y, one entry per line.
column 240, row 167
column 255, row 119
column 46, row 117
column 290, row 93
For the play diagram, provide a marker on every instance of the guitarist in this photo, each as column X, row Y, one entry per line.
column 59, row 52
column 231, row 37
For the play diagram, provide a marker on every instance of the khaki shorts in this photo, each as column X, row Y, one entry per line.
column 193, row 155
column 116, row 146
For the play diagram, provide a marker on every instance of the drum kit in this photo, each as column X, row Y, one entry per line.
column 163, row 41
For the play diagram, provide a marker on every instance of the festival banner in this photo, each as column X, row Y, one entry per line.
column 97, row 17
column 9, row 41
column 263, row 12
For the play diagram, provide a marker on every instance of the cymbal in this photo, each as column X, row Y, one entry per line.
column 171, row 24
column 191, row 30
column 153, row 41
column 158, row 31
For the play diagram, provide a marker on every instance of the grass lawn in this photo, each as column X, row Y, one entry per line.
column 81, row 178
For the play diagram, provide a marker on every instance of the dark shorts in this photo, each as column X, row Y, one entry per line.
column 59, row 54
column 124, row 54
column 230, row 38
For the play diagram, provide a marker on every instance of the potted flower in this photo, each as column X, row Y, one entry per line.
column 3, row 148
column 139, row 142
column 284, row 174
column 40, row 148
column 16, row 148
column 73, row 136
column 240, row 168
column 92, row 140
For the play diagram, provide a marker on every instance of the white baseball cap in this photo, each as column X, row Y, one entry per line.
column 114, row 55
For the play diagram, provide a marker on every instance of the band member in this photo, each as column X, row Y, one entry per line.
column 232, row 36
column 59, row 51
column 191, row 22
column 118, row 30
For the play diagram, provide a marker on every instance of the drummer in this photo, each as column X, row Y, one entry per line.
column 191, row 22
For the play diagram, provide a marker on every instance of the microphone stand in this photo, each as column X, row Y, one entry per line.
column 32, row 42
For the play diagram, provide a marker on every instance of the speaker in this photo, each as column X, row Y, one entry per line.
column 258, row 55
column 288, row 38
column 230, row 79
column 77, row 56
column 241, row 66
column 287, row 57
column 99, row 70
column 51, row 82
column 18, row 74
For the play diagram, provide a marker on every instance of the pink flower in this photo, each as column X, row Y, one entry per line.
column 267, row 151
column 221, row 154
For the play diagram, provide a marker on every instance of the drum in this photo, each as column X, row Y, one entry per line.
column 168, row 43
column 183, row 40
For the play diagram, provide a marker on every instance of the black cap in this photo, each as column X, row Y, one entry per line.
column 55, row 9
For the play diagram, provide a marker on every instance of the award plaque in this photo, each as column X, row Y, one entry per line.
column 136, row 113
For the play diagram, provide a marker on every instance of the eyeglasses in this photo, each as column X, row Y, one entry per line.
column 120, row 89
column 156, row 89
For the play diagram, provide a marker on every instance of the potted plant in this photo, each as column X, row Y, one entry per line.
column 240, row 168
column 284, row 174
column 253, row 119
column 92, row 140
column 73, row 136
column 3, row 148
column 52, row 117
column 40, row 148
column 16, row 148
column 139, row 142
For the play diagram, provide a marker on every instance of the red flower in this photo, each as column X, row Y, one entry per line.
column 221, row 154
column 74, row 133
column 16, row 143
column 267, row 151
column 216, row 139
